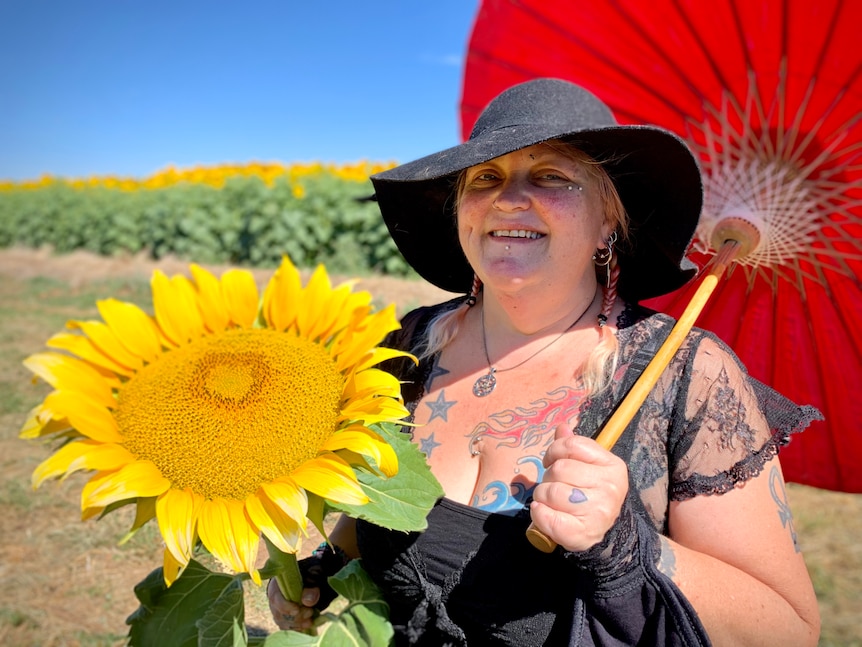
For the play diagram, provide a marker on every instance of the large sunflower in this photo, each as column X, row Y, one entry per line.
column 224, row 413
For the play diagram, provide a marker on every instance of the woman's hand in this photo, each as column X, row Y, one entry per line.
column 581, row 493
column 290, row 615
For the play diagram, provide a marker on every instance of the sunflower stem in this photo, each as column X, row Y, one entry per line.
column 288, row 577
column 290, row 581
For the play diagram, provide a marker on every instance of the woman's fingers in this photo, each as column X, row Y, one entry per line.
column 292, row 615
column 581, row 493
column 568, row 445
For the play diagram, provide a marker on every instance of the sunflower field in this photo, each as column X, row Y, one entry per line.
column 239, row 214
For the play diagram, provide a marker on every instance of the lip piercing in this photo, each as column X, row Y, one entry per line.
column 507, row 247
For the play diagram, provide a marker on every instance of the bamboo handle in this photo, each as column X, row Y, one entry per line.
column 617, row 423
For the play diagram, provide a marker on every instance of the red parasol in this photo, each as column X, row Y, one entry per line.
column 769, row 95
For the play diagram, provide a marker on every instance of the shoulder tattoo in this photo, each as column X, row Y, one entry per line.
column 779, row 495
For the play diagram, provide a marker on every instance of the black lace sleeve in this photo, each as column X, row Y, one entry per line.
column 732, row 424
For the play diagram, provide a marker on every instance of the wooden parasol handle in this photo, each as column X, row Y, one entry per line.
column 614, row 427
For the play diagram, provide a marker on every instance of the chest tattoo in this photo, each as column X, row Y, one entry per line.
column 526, row 427
column 440, row 407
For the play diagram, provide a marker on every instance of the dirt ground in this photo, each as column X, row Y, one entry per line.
column 78, row 268
column 64, row 582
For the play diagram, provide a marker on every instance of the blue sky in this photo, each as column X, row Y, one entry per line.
column 96, row 87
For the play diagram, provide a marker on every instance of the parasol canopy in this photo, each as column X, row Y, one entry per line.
column 769, row 96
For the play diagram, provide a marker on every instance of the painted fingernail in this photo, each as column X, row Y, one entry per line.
column 577, row 496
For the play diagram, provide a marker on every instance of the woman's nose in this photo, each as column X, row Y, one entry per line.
column 512, row 196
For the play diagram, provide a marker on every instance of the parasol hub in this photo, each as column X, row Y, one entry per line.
column 738, row 226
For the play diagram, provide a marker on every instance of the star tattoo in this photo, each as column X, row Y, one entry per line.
column 427, row 445
column 437, row 371
column 440, row 407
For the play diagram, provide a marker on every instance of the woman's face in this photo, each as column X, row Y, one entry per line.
column 532, row 218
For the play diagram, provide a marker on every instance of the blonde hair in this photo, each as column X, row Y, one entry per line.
column 601, row 363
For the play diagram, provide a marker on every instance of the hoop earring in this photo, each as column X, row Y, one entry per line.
column 604, row 256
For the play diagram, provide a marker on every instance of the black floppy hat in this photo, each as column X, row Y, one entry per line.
column 655, row 173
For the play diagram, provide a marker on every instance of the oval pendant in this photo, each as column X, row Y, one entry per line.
column 484, row 385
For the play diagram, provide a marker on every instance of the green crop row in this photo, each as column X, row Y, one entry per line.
column 247, row 222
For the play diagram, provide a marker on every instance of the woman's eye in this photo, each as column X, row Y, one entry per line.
column 553, row 178
column 484, row 177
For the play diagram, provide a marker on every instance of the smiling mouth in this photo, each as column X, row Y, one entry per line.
column 516, row 233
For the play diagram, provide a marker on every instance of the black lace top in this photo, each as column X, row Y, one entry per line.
column 473, row 578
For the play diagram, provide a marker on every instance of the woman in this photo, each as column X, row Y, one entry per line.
column 556, row 221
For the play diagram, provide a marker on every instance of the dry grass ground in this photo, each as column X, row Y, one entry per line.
column 65, row 583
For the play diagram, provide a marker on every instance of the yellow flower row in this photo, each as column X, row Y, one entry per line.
column 214, row 176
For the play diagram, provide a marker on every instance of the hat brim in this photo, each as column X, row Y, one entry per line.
column 654, row 172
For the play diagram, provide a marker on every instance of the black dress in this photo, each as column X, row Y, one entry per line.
column 472, row 578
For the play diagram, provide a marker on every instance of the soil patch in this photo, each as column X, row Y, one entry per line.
column 80, row 267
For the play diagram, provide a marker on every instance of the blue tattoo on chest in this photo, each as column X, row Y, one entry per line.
column 440, row 407
column 509, row 498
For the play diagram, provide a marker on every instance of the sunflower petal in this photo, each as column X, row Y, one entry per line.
column 332, row 478
column 133, row 327
column 288, row 496
column 87, row 351
column 240, row 296
column 316, row 294
column 81, row 455
column 86, row 416
column 104, row 338
column 363, row 441
column 230, row 535
column 210, row 299
column 372, row 382
column 91, row 513
column 144, row 511
column 342, row 304
column 357, row 461
column 353, row 344
column 138, row 479
column 71, row 375
column 332, row 310
column 281, row 298
column 176, row 308
column 381, row 354
column 171, row 568
column 371, row 410
column 40, row 423
column 316, row 514
column 279, row 528
column 177, row 513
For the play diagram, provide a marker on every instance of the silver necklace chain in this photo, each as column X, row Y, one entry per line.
column 485, row 384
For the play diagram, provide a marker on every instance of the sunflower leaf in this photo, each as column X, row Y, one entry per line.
column 169, row 617
column 400, row 502
column 223, row 623
column 357, row 618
